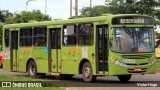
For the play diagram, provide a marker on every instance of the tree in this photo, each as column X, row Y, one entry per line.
column 123, row 7
column 8, row 18
column 132, row 7
column 95, row 11
column 27, row 16
column 4, row 14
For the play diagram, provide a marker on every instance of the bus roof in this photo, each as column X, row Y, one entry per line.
column 71, row 21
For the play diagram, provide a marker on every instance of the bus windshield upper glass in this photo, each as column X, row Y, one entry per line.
column 133, row 40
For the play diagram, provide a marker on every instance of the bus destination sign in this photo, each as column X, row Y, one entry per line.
column 132, row 20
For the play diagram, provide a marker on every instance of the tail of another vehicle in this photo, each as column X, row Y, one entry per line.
column 1, row 60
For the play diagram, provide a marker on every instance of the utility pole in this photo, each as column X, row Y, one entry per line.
column 76, row 7
column 70, row 8
column 28, row 2
column 46, row 8
column 90, row 3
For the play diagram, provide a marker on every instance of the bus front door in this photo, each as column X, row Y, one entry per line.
column 14, row 51
column 102, row 49
column 54, row 46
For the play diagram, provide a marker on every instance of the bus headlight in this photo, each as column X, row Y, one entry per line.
column 118, row 62
column 151, row 63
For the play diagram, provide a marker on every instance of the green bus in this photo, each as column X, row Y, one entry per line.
column 117, row 45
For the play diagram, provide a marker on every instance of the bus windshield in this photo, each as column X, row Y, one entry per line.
column 132, row 40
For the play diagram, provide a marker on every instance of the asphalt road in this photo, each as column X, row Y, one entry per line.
column 104, row 83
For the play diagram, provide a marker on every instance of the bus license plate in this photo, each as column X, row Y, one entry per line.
column 130, row 61
column 138, row 69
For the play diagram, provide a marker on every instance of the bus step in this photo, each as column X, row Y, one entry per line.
column 55, row 74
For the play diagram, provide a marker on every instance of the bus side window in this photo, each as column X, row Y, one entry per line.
column 6, row 37
column 85, row 34
column 40, row 36
column 25, row 36
column 69, row 35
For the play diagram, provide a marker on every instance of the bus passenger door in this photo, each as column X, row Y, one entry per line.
column 14, row 51
column 54, row 50
column 102, row 48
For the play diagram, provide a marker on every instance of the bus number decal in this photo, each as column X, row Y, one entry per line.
column 84, row 52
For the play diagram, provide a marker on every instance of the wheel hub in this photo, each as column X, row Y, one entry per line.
column 87, row 72
column 32, row 70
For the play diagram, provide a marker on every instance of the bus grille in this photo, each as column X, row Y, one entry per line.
column 130, row 64
column 137, row 56
column 133, row 71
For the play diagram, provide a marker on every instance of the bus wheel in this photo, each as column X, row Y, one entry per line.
column 87, row 72
column 124, row 78
column 1, row 65
column 32, row 69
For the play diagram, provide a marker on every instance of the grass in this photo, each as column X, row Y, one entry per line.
column 28, row 79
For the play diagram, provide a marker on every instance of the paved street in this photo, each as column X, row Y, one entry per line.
column 104, row 83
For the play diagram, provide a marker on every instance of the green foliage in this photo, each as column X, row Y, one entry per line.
column 142, row 7
column 122, row 7
column 95, row 11
column 4, row 14
column 7, row 17
column 26, row 16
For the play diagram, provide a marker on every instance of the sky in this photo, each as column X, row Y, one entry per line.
column 55, row 8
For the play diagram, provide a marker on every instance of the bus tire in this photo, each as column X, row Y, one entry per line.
column 124, row 78
column 32, row 69
column 88, row 73
column 1, row 65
